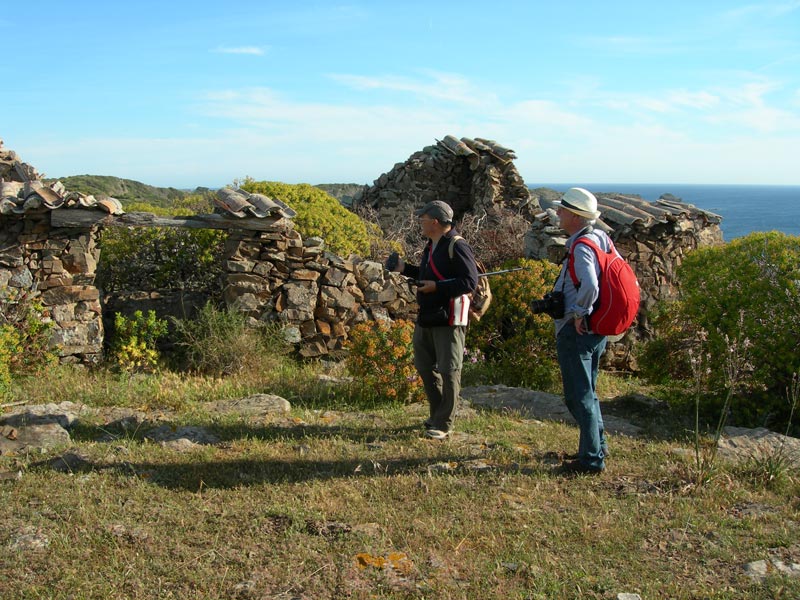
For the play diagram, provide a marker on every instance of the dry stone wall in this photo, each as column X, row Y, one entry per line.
column 471, row 175
column 316, row 295
column 53, row 265
column 270, row 274
column 57, row 267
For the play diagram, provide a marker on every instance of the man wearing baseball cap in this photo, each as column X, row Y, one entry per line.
column 579, row 349
column 442, row 284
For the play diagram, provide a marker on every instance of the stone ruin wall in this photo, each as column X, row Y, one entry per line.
column 317, row 295
column 270, row 276
column 57, row 267
column 476, row 176
column 278, row 276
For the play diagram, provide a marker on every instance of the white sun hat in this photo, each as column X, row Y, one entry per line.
column 579, row 201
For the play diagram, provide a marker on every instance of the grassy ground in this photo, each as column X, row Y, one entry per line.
column 357, row 504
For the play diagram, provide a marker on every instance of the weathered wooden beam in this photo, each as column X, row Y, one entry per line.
column 76, row 217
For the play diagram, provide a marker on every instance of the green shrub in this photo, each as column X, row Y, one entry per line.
column 665, row 358
column 381, row 357
column 515, row 346
column 133, row 345
column 219, row 342
column 747, row 290
column 319, row 214
column 9, row 346
column 161, row 258
column 25, row 330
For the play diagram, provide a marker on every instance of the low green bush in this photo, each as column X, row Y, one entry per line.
column 151, row 258
column 319, row 214
column 25, row 329
column 664, row 359
column 219, row 342
column 741, row 295
column 511, row 344
column 133, row 343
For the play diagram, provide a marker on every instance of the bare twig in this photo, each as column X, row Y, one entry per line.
column 10, row 404
column 461, row 543
column 291, row 589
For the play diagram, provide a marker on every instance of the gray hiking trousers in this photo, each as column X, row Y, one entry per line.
column 438, row 357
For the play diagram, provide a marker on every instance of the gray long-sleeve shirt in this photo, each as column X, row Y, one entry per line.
column 580, row 301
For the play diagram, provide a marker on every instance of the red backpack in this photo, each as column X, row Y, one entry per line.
column 618, row 302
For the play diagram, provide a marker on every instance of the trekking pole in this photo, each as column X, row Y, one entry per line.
column 500, row 272
column 483, row 274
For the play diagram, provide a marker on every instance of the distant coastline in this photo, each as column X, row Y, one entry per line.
column 743, row 208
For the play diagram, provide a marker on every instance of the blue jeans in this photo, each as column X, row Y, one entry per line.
column 579, row 359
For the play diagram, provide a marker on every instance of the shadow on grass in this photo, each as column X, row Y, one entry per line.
column 188, row 471
column 367, row 433
column 226, row 474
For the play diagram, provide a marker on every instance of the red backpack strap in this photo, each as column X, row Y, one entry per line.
column 432, row 264
column 602, row 256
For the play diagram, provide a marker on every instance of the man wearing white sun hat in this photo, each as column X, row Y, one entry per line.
column 579, row 349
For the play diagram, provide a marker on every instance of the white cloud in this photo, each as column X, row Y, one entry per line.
column 752, row 94
column 253, row 50
column 753, row 106
column 748, row 107
column 699, row 100
column 769, row 10
column 438, row 86
column 680, row 135
column 543, row 114
column 633, row 44
column 762, row 119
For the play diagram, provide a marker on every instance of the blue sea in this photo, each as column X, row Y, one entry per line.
column 743, row 208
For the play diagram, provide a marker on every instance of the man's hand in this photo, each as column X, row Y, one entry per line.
column 426, row 286
column 394, row 263
column 580, row 325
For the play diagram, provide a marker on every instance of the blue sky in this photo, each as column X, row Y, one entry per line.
column 201, row 93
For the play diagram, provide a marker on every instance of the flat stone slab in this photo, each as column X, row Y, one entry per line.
column 64, row 413
column 537, row 405
column 167, row 434
column 257, row 405
column 741, row 444
column 37, row 437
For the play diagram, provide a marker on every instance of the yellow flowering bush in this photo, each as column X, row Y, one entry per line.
column 134, row 346
column 381, row 356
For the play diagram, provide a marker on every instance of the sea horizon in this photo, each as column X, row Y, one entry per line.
column 744, row 208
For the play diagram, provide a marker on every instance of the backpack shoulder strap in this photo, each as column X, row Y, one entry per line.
column 452, row 245
column 602, row 256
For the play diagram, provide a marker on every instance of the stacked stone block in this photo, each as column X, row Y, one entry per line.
column 57, row 267
column 316, row 295
column 478, row 179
